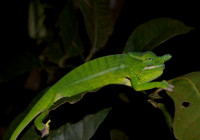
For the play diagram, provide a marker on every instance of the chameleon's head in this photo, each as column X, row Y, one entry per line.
column 152, row 66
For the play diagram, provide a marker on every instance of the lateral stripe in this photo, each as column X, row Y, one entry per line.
column 152, row 67
column 98, row 74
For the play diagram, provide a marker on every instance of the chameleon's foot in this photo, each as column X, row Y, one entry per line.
column 165, row 86
column 45, row 131
column 169, row 88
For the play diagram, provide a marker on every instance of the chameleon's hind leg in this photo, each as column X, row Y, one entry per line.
column 43, row 128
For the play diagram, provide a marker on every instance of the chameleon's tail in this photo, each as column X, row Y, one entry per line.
column 31, row 115
column 38, row 108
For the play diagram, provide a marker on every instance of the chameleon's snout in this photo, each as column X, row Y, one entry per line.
column 165, row 57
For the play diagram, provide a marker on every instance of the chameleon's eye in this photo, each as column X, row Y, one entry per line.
column 148, row 59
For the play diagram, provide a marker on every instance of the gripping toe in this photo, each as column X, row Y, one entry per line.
column 45, row 131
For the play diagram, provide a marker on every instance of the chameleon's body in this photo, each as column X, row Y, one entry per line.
column 132, row 69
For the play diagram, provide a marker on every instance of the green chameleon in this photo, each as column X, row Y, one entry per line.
column 132, row 69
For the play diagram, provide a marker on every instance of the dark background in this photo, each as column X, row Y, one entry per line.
column 184, row 49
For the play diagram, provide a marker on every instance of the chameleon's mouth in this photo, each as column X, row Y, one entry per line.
column 153, row 67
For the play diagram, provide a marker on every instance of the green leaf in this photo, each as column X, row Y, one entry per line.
column 98, row 22
column 154, row 32
column 70, row 31
column 36, row 18
column 118, row 135
column 71, row 44
column 186, row 97
column 53, row 52
column 82, row 130
column 31, row 134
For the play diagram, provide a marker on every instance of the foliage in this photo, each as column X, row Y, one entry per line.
column 186, row 99
column 185, row 118
column 80, row 31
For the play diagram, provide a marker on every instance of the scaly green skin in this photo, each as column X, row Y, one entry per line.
column 132, row 69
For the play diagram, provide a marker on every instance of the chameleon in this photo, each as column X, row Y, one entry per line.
column 135, row 69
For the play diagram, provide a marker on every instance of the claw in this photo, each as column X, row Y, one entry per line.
column 169, row 88
column 45, row 131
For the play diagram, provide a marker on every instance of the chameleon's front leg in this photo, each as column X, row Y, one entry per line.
column 151, row 85
column 43, row 128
